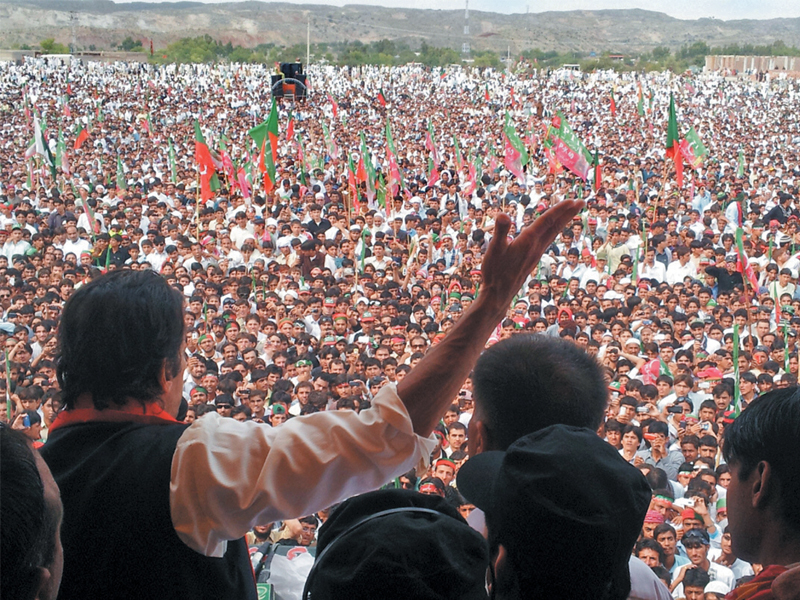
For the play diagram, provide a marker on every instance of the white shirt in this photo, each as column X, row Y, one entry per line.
column 676, row 271
column 228, row 476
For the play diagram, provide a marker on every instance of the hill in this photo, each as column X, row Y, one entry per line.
column 104, row 24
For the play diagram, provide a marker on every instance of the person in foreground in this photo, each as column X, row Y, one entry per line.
column 762, row 448
column 529, row 382
column 155, row 508
column 31, row 557
column 563, row 511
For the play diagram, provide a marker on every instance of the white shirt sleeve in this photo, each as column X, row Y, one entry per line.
column 228, row 476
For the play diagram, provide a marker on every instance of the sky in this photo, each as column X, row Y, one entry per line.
column 681, row 9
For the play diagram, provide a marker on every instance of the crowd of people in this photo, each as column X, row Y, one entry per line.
column 307, row 293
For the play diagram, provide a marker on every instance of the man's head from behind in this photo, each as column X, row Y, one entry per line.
column 120, row 340
column 31, row 559
column 529, row 382
column 561, row 491
column 762, row 448
column 398, row 544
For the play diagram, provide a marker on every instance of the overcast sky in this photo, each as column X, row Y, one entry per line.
column 682, row 9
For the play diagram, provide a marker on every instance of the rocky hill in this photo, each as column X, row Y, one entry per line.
column 104, row 24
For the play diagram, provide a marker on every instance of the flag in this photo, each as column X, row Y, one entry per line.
column 205, row 163
column 334, row 106
column 366, row 159
column 173, row 167
column 673, row 137
column 740, row 164
column 737, row 395
column 640, row 102
column 82, row 136
column 61, row 154
column 674, row 142
column 692, row 149
column 613, row 104
column 330, row 143
column 39, row 147
column 121, row 184
column 516, row 156
column 433, row 173
column 486, row 92
column 352, row 184
column 743, row 265
column 457, row 152
column 430, row 143
column 382, row 97
column 290, row 127
column 272, row 129
column 598, row 171
column 395, row 180
column 570, row 150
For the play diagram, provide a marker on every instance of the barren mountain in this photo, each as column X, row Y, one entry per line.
column 104, row 24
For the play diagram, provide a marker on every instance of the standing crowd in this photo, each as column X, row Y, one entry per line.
column 310, row 294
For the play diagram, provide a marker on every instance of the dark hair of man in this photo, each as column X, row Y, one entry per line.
column 456, row 425
column 649, row 544
column 528, row 382
column 657, row 478
column 663, row 574
column 117, row 334
column 27, row 527
column 663, row 528
column 696, row 578
column 769, row 431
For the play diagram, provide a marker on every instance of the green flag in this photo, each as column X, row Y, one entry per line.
column 673, row 136
column 173, row 167
column 740, row 167
column 121, row 184
column 737, row 395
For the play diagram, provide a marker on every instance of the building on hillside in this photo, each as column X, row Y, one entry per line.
column 753, row 64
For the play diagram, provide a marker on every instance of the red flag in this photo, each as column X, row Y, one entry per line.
column 486, row 92
column 361, row 170
column 678, row 158
column 334, row 105
column 269, row 185
column 83, row 135
column 382, row 97
column 613, row 105
column 205, row 163
column 290, row 128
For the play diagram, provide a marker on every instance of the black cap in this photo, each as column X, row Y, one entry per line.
column 561, row 491
column 425, row 550
column 224, row 399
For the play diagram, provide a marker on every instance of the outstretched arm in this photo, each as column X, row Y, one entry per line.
column 430, row 387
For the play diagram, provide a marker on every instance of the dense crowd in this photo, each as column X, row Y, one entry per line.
column 311, row 293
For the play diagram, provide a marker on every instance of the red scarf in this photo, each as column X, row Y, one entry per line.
column 150, row 414
column 758, row 588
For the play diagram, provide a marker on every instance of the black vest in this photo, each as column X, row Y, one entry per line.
column 118, row 537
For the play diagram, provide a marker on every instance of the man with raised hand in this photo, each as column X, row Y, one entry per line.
column 180, row 499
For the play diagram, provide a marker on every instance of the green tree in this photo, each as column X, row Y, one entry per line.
column 50, row 46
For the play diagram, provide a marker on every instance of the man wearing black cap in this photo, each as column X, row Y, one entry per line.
column 559, row 492
column 529, row 382
column 727, row 277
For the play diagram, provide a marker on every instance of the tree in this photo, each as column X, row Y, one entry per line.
column 131, row 45
column 49, row 46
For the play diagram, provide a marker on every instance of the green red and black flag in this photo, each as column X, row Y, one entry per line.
column 82, row 136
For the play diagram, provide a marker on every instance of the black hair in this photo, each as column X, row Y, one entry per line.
column 696, row 578
column 649, row 544
column 528, row 382
column 117, row 334
column 769, row 430
column 27, row 527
